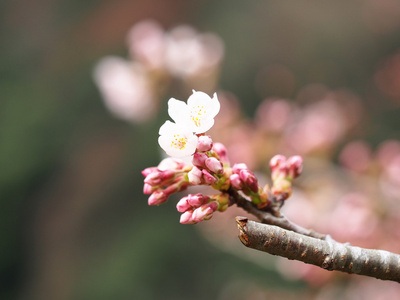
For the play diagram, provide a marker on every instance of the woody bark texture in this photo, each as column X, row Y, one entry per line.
column 327, row 254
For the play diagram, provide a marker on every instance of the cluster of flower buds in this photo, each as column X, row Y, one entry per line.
column 185, row 138
column 283, row 172
column 207, row 166
column 244, row 180
column 196, row 208
column 162, row 181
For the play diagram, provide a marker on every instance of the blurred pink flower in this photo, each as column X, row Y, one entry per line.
column 146, row 42
column 273, row 114
column 390, row 179
column 387, row 151
column 189, row 53
column 356, row 156
column 353, row 219
column 319, row 126
column 125, row 89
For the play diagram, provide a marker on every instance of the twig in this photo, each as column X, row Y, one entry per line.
column 267, row 218
column 327, row 254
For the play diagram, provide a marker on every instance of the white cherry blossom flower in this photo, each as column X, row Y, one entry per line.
column 177, row 141
column 198, row 114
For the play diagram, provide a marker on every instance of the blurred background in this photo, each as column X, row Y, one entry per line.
column 84, row 87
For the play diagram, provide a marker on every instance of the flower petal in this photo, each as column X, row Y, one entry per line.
column 178, row 110
column 167, row 127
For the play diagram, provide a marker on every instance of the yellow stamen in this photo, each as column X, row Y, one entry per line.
column 178, row 142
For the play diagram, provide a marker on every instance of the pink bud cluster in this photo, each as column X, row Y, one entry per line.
column 287, row 168
column 284, row 170
column 244, row 180
column 196, row 208
column 207, row 167
column 162, row 181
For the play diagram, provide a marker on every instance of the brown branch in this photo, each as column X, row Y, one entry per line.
column 327, row 254
column 267, row 218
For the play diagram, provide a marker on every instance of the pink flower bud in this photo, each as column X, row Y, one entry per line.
column 149, row 170
column 147, row 189
column 170, row 163
column 195, row 175
column 153, row 178
column 186, row 217
column 236, row 182
column 204, row 143
column 276, row 161
column 197, row 200
column 213, row 205
column 208, row 178
column 202, row 213
column 214, row 165
column 199, row 159
column 183, row 205
column 249, row 180
column 295, row 164
column 157, row 177
column 238, row 167
column 157, row 198
column 173, row 188
column 221, row 151
column 279, row 167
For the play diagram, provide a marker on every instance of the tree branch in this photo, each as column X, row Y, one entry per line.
column 268, row 218
column 327, row 254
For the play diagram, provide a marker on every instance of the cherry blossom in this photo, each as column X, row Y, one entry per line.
column 198, row 114
column 177, row 141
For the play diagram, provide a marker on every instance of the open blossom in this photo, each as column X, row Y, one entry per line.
column 177, row 141
column 198, row 114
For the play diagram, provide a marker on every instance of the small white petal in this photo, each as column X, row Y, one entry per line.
column 167, row 127
column 215, row 105
column 178, row 110
column 198, row 98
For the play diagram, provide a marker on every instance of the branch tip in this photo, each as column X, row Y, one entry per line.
column 242, row 226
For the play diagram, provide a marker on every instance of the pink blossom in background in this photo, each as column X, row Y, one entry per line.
column 387, row 151
column 241, row 146
column 390, row 179
column 356, row 156
column 388, row 156
column 146, row 42
column 125, row 89
column 273, row 114
column 318, row 127
column 132, row 88
column 188, row 52
column 353, row 219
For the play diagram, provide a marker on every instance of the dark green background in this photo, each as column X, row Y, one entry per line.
column 74, row 223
